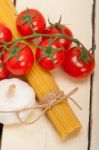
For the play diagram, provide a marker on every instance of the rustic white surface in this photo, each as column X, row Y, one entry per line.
column 95, row 129
column 76, row 13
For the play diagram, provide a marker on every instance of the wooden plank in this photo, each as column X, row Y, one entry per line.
column 42, row 135
column 1, row 126
column 95, row 121
column 0, row 133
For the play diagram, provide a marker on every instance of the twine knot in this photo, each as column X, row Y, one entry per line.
column 46, row 103
column 52, row 98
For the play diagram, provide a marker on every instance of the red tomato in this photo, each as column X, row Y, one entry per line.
column 5, row 34
column 3, row 71
column 55, row 30
column 50, row 57
column 30, row 20
column 21, row 61
column 78, row 62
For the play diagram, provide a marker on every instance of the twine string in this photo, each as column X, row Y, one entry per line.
column 46, row 103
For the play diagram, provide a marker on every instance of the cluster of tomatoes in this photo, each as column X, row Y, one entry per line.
column 53, row 50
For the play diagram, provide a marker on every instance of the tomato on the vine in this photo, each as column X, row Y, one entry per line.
column 29, row 21
column 58, row 28
column 19, row 59
column 78, row 62
column 3, row 71
column 50, row 55
column 5, row 34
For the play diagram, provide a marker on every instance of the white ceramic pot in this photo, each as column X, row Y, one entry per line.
column 15, row 94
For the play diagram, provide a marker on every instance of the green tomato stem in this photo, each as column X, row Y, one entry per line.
column 37, row 35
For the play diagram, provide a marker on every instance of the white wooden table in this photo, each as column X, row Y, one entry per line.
column 41, row 135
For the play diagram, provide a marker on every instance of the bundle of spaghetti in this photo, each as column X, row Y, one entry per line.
column 61, row 115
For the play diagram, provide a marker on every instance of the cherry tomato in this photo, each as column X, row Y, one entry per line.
column 78, row 62
column 58, row 30
column 19, row 59
column 5, row 34
column 30, row 20
column 51, row 56
column 3, row 71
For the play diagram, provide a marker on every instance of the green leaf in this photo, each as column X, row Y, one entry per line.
column 51, row 57
column 41, row 47
column 43, row 56
column 8, row 57
column 59, row 49
column 51, row 40
column 20, row 48
column 76, row 41
column 55, row 25
column 27, row 18
column 14, row 51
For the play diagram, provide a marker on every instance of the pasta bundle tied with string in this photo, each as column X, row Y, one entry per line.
column 46, row 103
column 61, row 115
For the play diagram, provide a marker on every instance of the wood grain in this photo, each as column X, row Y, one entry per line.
column 92, row 76
column 95, row 110
column 42, row 135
